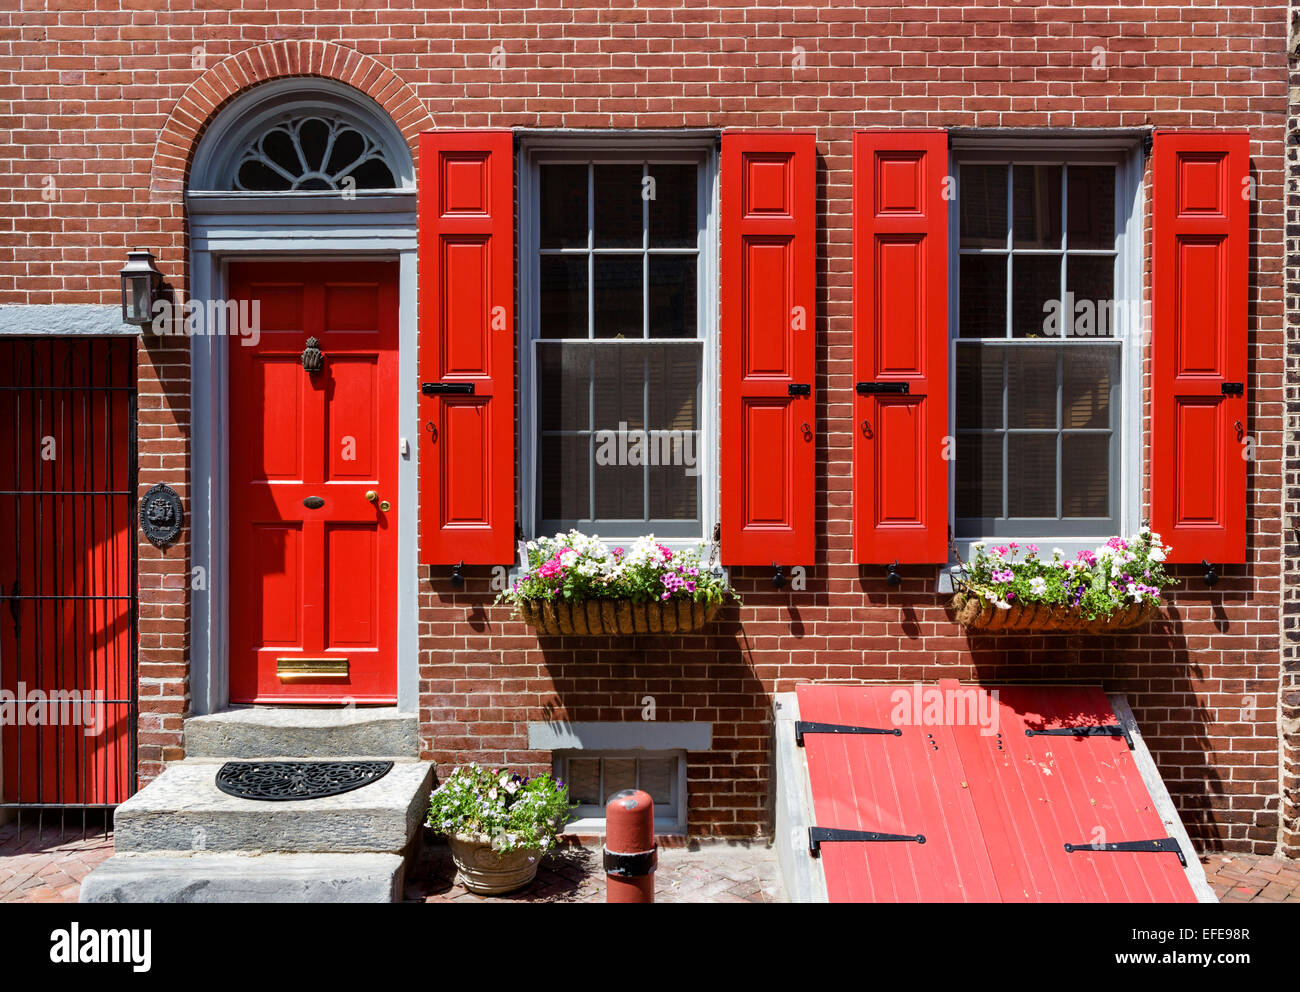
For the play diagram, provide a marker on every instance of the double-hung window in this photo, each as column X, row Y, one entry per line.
column 1044, row 312
column 618, row 277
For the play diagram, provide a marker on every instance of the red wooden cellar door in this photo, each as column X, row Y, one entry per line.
column 970, row 796
column 313, row 486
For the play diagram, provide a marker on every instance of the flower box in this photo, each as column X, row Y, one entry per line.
column 1117, row 587
column 576, row 584
column 977, row 614
column 615, row 616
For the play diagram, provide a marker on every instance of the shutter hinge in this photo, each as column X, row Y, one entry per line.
column 1106, row 730
column 817, row 836
column 1160, row 845
column 1148, row 140
column 802, row 727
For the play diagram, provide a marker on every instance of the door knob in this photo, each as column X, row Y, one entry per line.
column 371, row 496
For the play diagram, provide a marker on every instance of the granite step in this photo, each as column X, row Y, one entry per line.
column 243, row 877
column 302, row 732
column 183, row 811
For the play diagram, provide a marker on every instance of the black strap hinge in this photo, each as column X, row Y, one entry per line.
column 802, row 727
column 1161, row 845
column 1107, row 730
column 827, row 835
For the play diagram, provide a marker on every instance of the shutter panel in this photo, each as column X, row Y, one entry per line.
column 467, row 403
column 768, row 327
column 900, row 347
column 1200, row 263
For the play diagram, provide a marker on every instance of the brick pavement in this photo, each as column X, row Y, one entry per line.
column 46, row 866
column 1246, row 878
column 712, row 871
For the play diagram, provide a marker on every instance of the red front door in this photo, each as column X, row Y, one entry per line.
column 313, row 485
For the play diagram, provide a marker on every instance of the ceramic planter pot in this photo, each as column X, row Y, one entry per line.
column 616, row 616
column 487, row 872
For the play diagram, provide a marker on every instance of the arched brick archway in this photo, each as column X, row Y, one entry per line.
column 221, row 83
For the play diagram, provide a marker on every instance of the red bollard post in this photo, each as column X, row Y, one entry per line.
column 631, row 853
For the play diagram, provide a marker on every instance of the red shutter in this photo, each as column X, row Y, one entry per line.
column 769, row 426
column 467, row 404
column 900, row 346
column 1200, row 261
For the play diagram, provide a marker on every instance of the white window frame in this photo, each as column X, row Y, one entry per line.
column 1130, row 237
column 591, row 820
column 616, row 146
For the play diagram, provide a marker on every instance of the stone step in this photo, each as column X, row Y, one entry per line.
column 302, row 732
column 241, row 877
column 183, row 810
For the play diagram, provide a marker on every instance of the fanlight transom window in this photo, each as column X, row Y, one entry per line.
column 312, row 151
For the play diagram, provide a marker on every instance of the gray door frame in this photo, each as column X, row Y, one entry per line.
column 227, row 226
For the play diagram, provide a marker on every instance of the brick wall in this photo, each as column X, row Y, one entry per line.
column 91, row 90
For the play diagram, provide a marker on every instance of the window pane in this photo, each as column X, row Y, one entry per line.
column 983, row 296
column 983, row 201
column 563, row 296
column 618, row 206
column 1091, row 280
column 1031, row 394
column 1085, row 397
column 1036, row 196
column 618, row 296
column 1035, row 280
column 620, row 774
column 584, row 781
column 563, row 468
column 675, row 378
column 979, row 386
column 620, row 488
column 675, row 487
column 1031, row 475
column 1091, row 206
column 619, row 387
column 674, row 218
column 979, row 475
column 672, row 296
column 563, row 206
column 657, row 779
column 1085, row 475
column 563, row 377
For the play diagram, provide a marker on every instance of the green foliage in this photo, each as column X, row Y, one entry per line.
column 1118, row 574
column 501, row 806
column 575, row 566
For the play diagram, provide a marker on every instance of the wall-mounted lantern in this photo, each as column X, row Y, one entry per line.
column 141, row 282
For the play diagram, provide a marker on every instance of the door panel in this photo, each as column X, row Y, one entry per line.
column 313, row 592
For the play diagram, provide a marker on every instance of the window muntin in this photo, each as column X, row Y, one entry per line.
column 618, row 344
column 594, row 777
column 312, row 151
column 1038, row 348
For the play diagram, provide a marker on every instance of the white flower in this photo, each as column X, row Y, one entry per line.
column 1038, row 586
column 1058, row 553
column 1157, row 554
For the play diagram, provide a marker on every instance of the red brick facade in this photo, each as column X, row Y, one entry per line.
column 109, row 105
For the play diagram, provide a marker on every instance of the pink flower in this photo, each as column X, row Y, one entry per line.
column 1033, row 548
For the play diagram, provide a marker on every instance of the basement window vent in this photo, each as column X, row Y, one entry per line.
column 594, row 777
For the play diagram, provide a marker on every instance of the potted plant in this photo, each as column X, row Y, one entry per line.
column 498, row 824
column 1114, row 587
column 577, row 584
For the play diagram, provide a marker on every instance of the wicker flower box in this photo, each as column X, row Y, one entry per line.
column 615, row 616
column 981, row 615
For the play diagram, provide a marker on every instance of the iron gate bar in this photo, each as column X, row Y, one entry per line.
column 817, row 836
column 1161, row 845
column 1092, row 730
column 86, row 386
column 802, row 727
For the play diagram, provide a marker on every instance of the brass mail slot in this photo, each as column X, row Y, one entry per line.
column 307, row 669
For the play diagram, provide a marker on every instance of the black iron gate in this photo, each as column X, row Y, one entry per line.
column 68, row 709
